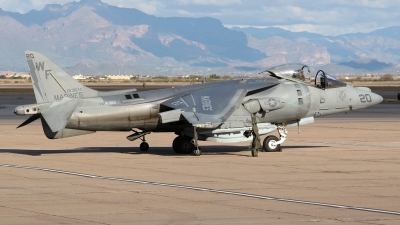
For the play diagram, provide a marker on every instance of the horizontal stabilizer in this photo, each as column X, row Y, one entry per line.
column 29, row 120
column 58, row 114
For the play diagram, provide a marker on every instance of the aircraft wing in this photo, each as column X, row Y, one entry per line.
column 207, row 107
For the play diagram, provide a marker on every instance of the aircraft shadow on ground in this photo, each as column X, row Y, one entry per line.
column 162, row 151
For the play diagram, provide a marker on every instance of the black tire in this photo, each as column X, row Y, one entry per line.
column 269, row 146
column 183, row 145
column 176, row 143
column 144, row 146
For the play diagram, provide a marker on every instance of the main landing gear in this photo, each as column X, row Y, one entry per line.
column 181, row 144
column 272, row 143
column 187, row 145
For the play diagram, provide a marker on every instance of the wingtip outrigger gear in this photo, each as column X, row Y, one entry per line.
column 144, row 146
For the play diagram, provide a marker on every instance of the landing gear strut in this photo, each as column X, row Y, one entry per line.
column 197, row 150
column 272, row 143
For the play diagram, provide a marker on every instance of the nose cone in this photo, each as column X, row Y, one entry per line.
column 19, row 110
column 367, row 98
column 376, row 99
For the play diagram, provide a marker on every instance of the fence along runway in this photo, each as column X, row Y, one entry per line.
column 247, row 195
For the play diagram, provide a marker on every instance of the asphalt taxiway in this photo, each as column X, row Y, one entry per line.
column 342, row 169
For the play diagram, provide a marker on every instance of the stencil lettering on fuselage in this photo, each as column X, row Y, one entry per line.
column 108, row 103
column 342, row 95
column 177, row 103
column 206, row 102
column 71, row 93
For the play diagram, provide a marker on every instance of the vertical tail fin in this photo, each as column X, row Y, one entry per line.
column 51, row 83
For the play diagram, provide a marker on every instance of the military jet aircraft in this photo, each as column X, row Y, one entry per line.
column 216, row 111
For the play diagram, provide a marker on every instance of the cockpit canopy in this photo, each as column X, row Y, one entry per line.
column 325, row 80
column 296, row 71
column 300, row 72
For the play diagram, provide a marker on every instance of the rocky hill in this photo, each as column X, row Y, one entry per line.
column 95, row 32
column 93, row 37
column 375, row 51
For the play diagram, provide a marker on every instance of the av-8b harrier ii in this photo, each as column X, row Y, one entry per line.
column 224, row 111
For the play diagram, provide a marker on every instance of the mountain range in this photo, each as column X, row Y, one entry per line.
column 92, row 37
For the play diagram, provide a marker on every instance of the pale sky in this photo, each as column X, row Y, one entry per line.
column 328, row 17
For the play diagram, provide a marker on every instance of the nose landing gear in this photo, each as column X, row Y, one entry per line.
column 272, row 143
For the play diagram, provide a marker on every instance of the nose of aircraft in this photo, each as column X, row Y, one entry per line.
column 367, row 98
column 376, row 99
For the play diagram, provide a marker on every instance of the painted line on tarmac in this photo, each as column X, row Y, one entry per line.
column 347, row 144
column 206, row 190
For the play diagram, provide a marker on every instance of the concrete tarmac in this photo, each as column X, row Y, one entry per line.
column 347, row 160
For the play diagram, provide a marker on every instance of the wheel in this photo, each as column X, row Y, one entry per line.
column 270, row 145
column 144, row 146
column 183, row 145
column 186, row 145
column 196, row 152
column 176, row 143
